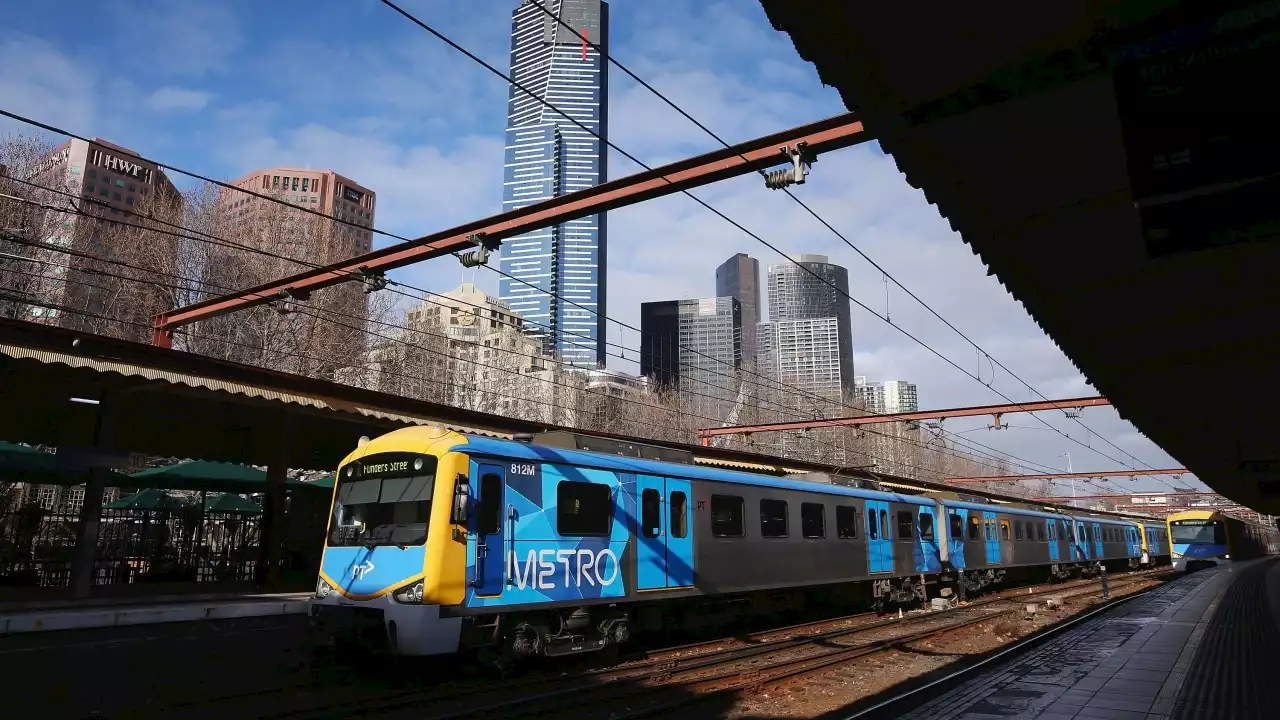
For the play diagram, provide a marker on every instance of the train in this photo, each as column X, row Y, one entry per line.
column 441, row 542
column 1208, row 538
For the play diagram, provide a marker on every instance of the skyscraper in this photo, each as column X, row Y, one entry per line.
column 692, row 344
column 890, row 396
column 739, row 278
column 560, row 269
column 813, row 289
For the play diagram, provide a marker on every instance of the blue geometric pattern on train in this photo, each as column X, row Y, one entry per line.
column 1200, row 551
column 542, row 566
column 361, row 571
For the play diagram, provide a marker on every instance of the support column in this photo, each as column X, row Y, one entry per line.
column 272, row 532
column 90, row 514
column 87, row 534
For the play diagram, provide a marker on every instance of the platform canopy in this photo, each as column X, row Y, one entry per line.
column 1116, row 166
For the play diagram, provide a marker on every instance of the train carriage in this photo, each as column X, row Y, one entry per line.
column 1207, row 538
column 440, row 541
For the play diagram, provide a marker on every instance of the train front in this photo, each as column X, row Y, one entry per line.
column 391, row 555
column 1199, row 540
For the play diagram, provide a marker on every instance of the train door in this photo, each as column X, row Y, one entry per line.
column 1098, row 551
column 1006, row 542
column 959, row 521
column 929, row 558
column 879, row 541
column 1051, row 531
column 664, row 554
column 993, row 540
column 490, row 530
column 1082, row 541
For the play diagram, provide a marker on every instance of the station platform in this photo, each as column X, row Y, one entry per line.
column 33, row 617
column 1199, row 648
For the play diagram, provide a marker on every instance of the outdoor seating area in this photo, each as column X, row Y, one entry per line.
column 193, row 523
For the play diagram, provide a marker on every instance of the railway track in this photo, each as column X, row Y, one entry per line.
column 636, row 691
column 706, row 667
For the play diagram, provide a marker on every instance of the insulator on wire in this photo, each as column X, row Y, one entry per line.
column 794, row 175
column 479, row 256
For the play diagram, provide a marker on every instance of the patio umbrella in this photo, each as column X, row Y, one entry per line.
column 149, row 499
column 230, row 503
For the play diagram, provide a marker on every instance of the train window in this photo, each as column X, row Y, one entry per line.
column 490, row 504
column 904, row 525
column 957, row 526
column 813, row 520
column 1040, row 531
column 651, row 513
column 1017, row 530
column 583, row 509
column 846, row 522
column 726, row 516
column 679, row 514
column 884, row 525
column 1053, row 529
column 926, row 526
column 873, row 526
column 773, row 518
column 1004, row 529
column 974, row 531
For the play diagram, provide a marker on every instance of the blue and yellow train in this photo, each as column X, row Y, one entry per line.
column 1207, row 538
column 440, row 542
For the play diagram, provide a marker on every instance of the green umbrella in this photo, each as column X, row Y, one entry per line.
column 323, row 482
column 149, row 499
column 209, row 476
column 230, row 503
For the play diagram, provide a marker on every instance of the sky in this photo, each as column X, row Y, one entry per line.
column 221, row 88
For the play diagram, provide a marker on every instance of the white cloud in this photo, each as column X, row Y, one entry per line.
column 168, row 99
column 40, row 81
column 177, row 38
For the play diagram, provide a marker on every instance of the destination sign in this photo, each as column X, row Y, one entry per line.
column 386, row 467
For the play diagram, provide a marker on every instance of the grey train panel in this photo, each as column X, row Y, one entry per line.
column 754, row 562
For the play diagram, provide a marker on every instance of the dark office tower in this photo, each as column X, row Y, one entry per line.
column 692, row 344
column 560, row 270
column 810, row 288
column 739, row 278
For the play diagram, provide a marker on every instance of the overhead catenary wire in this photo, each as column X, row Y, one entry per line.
column 973, row 458
column 829, row 226
column 520, row 86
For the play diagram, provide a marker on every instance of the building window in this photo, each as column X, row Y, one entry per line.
column 726, row 516
column 583, row 509
column 295, row 184
column 265, row 182
column 275, row 182
column 91, row 173
column 119, row 183
column 129, row 200
column 306, row 184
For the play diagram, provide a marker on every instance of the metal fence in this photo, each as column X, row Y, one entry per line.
column 187, row 544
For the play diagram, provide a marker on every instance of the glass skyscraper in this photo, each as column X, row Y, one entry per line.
column 547, row 155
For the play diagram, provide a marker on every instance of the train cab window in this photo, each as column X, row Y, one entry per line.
column 904, row 525
column 846, row 522
column 726, row 516
column 773, row 518
column 651, row 513
column 490, row 520
column 1017, row 530
column 583, row 509
column 813, row 520
column 926, row 526
column 957, row 527
column 1039, row 530
column 679, row 514
column 975, row 532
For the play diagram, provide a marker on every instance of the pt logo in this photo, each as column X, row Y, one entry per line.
column 361, row 570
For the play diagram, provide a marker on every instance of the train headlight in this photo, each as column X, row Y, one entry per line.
column 323, row 588
column 409, row 593
column 1226, row 556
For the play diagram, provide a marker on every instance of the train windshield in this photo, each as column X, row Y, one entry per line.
column 1199, row 532
column 374, row 511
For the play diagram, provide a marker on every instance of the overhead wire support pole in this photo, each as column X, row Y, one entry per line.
column 827, row 135
column 706, row 434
